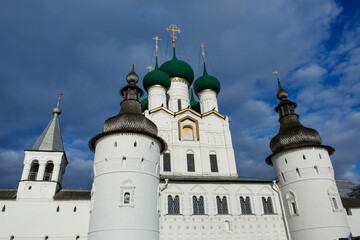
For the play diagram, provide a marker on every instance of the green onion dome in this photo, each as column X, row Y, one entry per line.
column 156, row 77
column 178, row 68
column 206, row 82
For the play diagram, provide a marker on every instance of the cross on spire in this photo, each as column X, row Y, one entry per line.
column 157, row 39
column 276, row 73
column 203, row 46
column 173, row 28
column 150, row 68
column 59, row 97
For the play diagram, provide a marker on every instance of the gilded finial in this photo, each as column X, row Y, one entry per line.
column 150, row 68
column 157, row 39
column 173, row 28
column 203, row 46
column 281, row 94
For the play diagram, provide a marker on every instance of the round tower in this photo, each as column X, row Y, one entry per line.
column 305, row 175
column 126, row 173
column 156, row 83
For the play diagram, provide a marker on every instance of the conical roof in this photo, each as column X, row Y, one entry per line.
column 50, row 139
column 206, row 82
column 178, row 68
column 156, row 77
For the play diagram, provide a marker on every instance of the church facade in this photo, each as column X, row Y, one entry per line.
column 164, row 168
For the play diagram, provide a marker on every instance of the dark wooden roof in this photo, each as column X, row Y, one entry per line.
column 8, row 194
column 65, row 194
column 350, row 202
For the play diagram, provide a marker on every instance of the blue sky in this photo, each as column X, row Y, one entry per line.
column 86, row 48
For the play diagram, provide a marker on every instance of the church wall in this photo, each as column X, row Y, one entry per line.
column 36, row 219
column 354, row 221
column 211, row 225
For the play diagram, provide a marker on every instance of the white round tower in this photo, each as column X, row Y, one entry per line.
column 208, row 101
column 305, row 175
column 126, row 173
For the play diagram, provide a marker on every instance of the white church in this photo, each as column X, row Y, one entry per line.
column 164, row 168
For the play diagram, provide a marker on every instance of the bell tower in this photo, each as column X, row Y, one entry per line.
column 44, row 163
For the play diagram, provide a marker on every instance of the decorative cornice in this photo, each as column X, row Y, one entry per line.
column 179, row 79
column 206, row 90
column 156, row 85
column 214, row 112
column 187, row 109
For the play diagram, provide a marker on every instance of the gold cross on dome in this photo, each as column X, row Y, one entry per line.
column 203, row 46
column 157, row 39
column 59, row 97
column 173, row 28
column 276, row 73
column 150, row 68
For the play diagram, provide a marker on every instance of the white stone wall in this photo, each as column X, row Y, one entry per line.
column 214, row 137
column 208, row 101
column 234, row 225
column 36, row 219
column 156, row 97
column 306, row 177
column 354, row 221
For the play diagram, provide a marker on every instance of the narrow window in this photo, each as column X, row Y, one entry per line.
column 348, row 211
column 222, row 205
column 335, row 203
column 316, row 170
column 3, row 208
column 179, row 104
column 135, row 144
column 58, row 209
column 213, row 163
column 166, row 161
column 77, row 237
column 46, row 238
column 267, row 204
column 304, row 156
column 294, row 208
column 190, row 162
column 48, row 171
column 33, row 170
column 127, row 198
column 245, row 205
column 12, row 238
column 320, row 156
column 285, row 160
column 198, row 205
column 75, row 209
column 115, row 144
column 283, row 176
column 298, row 172
column 173, row 205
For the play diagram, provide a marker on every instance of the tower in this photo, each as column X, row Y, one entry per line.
column 181, row 76
column 156, row 83
column 206, row 88
column 44, row 164
column 305, row 175
column 124, row 196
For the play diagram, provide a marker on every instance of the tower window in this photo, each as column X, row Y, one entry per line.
column 316, row 170
column 335, row 203
column 33, row 170
column 245, row 205
column 3, row 208
column 75, row 209
column 58, row 209
column 304, row 157
column 267, row 205
column 198, row 205
column 222, row 207
column 12, row 238
column 48, row 171
column 190, row 162
column 320, row 156
column 115, row 144
column 348, row 211
column 135, row 144
column 46, row 238
column 179, row 104
column 127, row 198
column 285, row 160
column 173, row 205
column 213, row 163
column 166, row 162
column 298, row 172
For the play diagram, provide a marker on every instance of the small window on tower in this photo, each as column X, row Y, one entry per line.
column 58, row 209
column 304, row 157
column 3, row 208
column 179, row 104
column 127, row 198
column 320, row 156
column 75, row 209
column 48, row 171
column 335, row 203
column 33, row 170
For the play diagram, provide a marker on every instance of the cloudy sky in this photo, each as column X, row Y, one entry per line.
column 85, row 49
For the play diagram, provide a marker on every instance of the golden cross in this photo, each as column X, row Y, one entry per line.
column 156, row 38
column 174, row 29
column 150, row 68
column 203, row 46
column 276, row 73
column 59, row 94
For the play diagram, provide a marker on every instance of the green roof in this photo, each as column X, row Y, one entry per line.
column 195, row 105
column 206, row 82
column 178, row 68
column 156, row 77
column 144, row 104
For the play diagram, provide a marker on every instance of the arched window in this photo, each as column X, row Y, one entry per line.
column 179, row 104
column 126, row 198
column 166, row 162
column 187, row 133
column 267, row 204
column 291, row 200
column 198, row 205
column 3, row 208
column 213, row 162
column 335, row 203
column 222, row 206
column 245, row 205
column 190, row 162
column 75, row 209
column 173, row 205
column 58, row 209
column 48, row 171
column 33, row 170
column 227, row 225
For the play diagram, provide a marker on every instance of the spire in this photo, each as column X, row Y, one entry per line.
column 50, row 139
column 281, row 94
column 203, row 46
